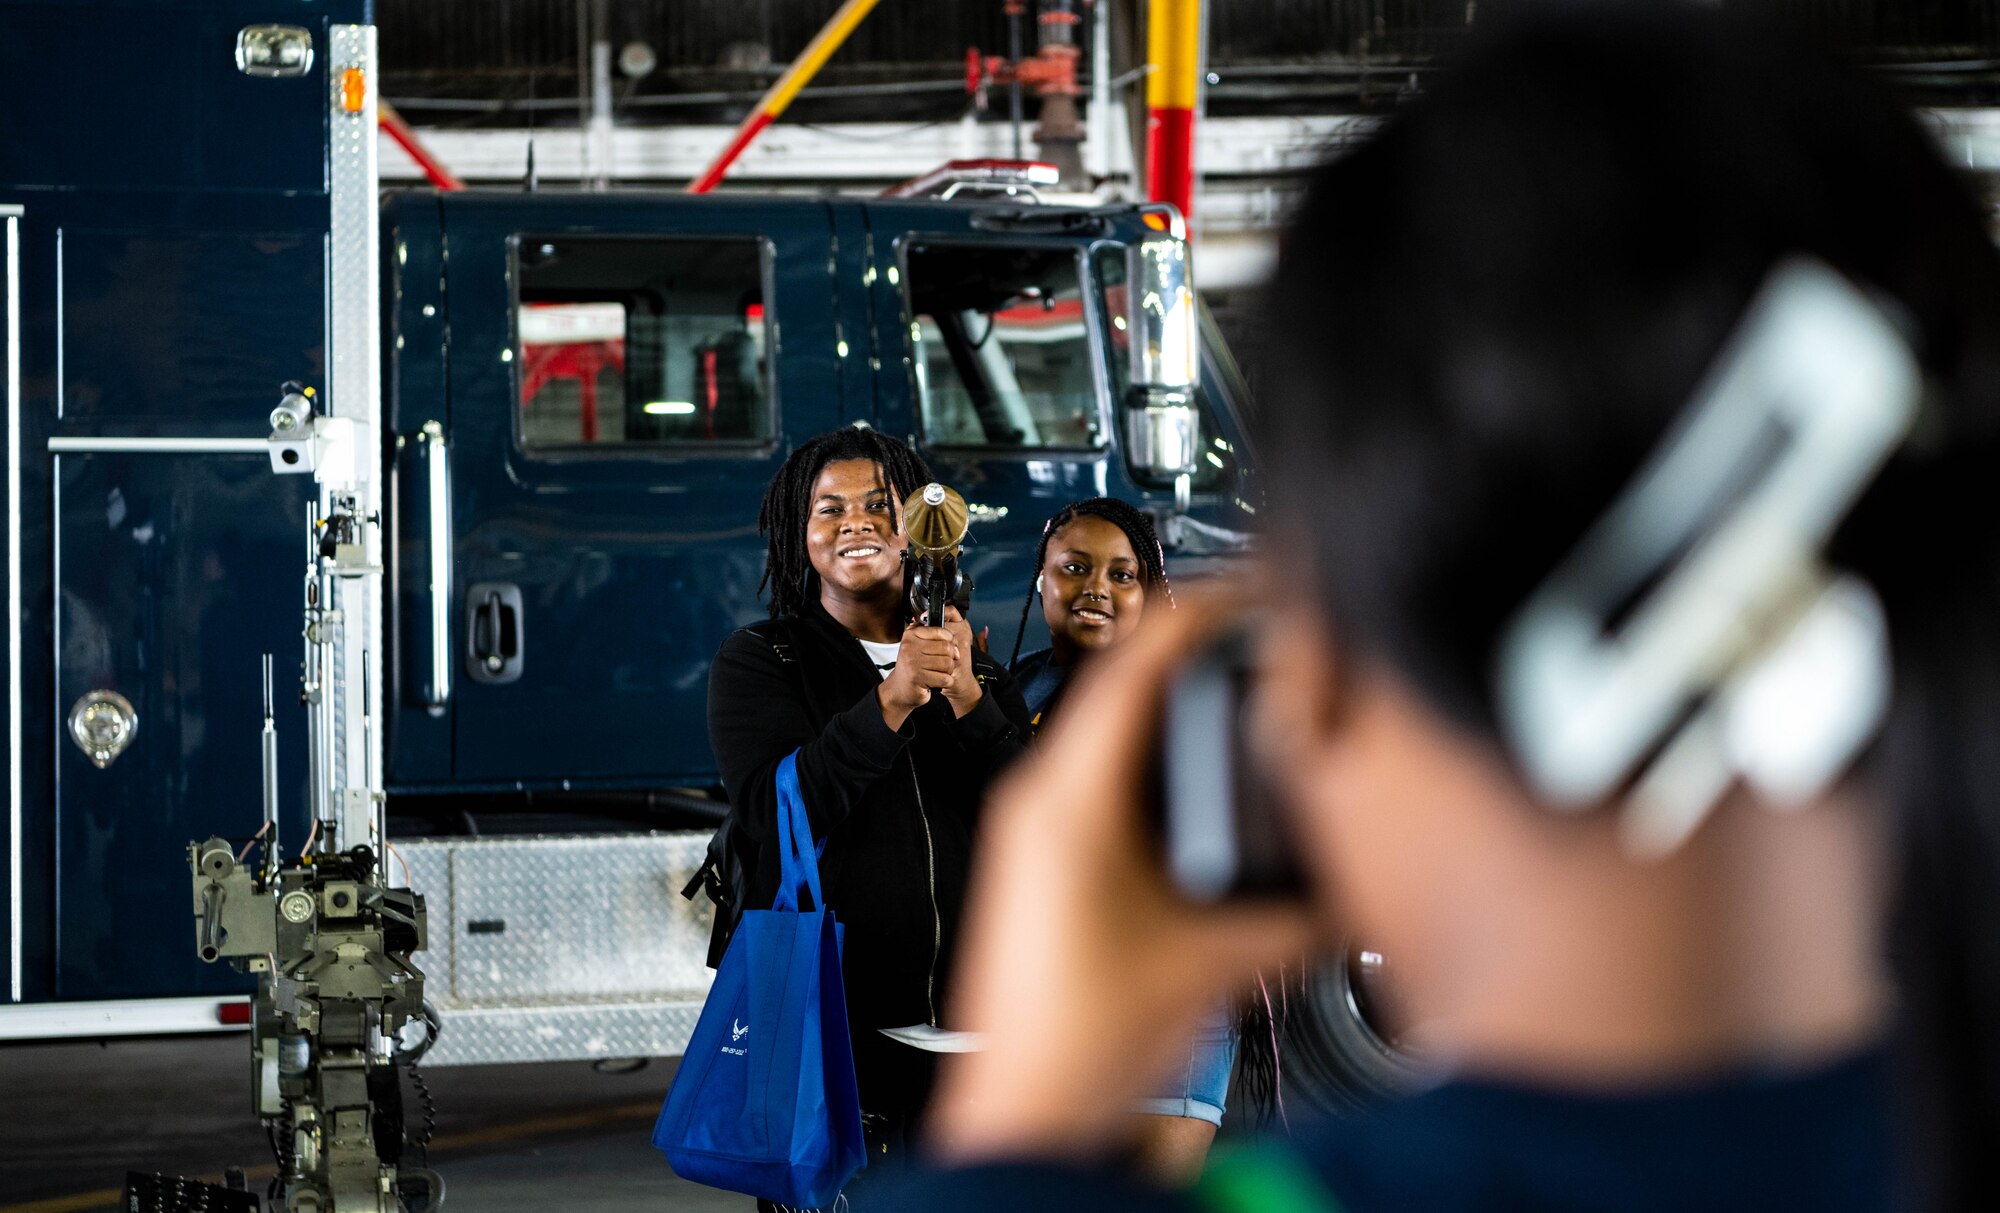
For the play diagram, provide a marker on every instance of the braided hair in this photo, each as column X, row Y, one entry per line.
column 788, row 500
column 1138, row 528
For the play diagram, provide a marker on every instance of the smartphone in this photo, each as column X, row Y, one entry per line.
column 1222, row 832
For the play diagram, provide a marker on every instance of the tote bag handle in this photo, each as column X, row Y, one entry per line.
column 798, row 856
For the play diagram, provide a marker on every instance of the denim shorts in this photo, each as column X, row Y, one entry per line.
column 1199, row 1088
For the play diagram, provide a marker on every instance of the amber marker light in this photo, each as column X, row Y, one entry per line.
column 353, row 90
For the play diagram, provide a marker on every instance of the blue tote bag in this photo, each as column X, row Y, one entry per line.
column 764, row 1101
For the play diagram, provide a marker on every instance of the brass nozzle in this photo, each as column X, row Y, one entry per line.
column 935, row 518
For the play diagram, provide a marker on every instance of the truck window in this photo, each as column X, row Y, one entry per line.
column 627, row 341
column 1000, row 346
column 1218, row 464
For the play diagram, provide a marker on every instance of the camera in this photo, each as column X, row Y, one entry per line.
column 1223, row 834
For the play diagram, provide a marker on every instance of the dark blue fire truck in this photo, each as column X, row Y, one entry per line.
column 571, row 402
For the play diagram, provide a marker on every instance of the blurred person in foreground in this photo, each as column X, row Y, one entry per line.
column 1099, row 569
column 1491, row 321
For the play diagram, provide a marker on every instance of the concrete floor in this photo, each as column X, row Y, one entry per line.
column 74, row 1117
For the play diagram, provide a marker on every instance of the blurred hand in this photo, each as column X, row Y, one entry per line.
column 924, row 663
column 1084, row 970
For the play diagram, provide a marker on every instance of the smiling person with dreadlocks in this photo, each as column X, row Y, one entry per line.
column 898, row 730
column 1098, row 569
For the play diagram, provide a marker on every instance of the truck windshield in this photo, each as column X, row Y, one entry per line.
column 1001, row 347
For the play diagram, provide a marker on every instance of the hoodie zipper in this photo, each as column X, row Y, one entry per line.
column 937, row 922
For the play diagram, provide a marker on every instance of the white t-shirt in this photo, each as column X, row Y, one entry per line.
column 883, row 655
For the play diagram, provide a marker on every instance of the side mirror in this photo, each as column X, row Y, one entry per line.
column 1161, row 429
column 1161, row 419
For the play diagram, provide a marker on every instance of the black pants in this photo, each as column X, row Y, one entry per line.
column 895, row 1082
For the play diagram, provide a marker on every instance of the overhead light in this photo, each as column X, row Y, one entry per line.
column 669, row 408
column 636, row 59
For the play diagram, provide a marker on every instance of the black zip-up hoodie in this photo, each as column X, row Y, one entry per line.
column 897, row 807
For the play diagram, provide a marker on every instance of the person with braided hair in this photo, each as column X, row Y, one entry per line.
column 1097, row 565
column 898, row 730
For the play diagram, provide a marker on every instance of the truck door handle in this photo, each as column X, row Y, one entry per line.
column 493, row 640
column 493, row 631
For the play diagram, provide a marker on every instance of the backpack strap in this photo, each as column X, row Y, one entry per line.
column 778, row 633
column 702, row 875
column 1261, row 1179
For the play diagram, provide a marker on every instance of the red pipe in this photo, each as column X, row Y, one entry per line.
column 745, row 133
column 392, row 122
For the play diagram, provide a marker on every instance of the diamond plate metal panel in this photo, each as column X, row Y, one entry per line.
column 497, row 1035
column 354, row 390
column 354, row 387
column 554, row 948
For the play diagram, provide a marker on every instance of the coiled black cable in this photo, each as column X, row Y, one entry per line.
column 281, row 1133
column 422, row 1139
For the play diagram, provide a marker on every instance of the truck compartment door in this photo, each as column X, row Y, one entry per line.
column 170, row 583
column 166, row 559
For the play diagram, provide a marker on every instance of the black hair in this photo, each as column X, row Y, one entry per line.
column 1485, row 319
column 788, row 501
column 1138, row 528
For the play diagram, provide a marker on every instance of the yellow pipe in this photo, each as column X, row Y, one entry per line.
column 814, row 57
column 780, row 94
column 1173, row 48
